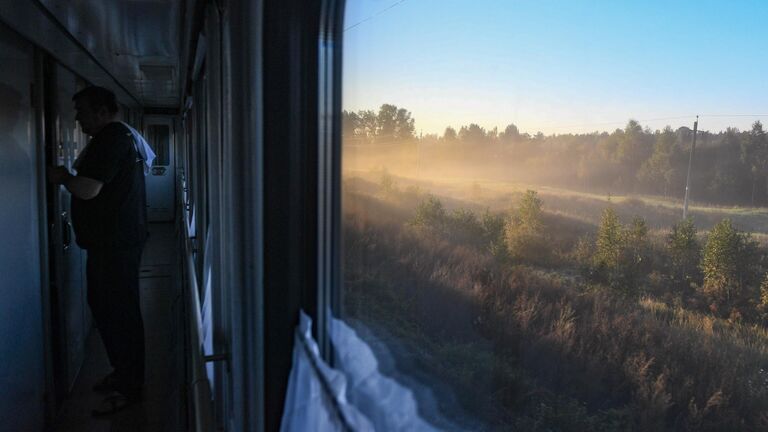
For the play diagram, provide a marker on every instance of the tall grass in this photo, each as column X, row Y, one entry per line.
column 528, row 349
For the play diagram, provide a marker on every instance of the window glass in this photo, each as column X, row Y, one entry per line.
column 515, row 180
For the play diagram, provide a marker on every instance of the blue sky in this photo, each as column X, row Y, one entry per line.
column 559, row 66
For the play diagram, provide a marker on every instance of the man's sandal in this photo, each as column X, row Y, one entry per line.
column 113, row 403
column 106, row 385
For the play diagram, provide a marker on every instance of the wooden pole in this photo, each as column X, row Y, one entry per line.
column 690, row 163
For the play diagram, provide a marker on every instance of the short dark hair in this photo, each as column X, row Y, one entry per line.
column 98, row 97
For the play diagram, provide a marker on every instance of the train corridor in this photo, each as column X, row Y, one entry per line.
column 162, row 407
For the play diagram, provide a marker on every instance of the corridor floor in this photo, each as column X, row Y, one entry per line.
column 162, row 408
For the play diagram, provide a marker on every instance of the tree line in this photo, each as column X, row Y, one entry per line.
column 729, row 167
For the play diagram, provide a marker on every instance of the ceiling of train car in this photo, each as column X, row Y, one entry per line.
column 136, row 41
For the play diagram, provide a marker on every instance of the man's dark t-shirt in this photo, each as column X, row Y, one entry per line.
column 117, row 216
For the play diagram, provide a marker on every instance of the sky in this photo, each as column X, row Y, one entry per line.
column 559, row 66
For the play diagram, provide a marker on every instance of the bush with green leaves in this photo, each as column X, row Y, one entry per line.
column 684, row 253
column 637, row 253
column 610, row 240
column 430, row 216
column 493, row 234
column 762, row 306
column 388, row 183
column 622, row 254
column 729, row 264
column 524, row 232
column 461, row 226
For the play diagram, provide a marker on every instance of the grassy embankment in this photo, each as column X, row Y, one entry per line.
column 529, row 349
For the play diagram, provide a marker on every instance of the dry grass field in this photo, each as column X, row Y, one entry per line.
column 532, row 345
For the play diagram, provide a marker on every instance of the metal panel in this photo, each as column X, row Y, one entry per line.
column 290, row 177
column 329, row 160
column 136, row 40
column 242, row 230
column 27, row 19
column 71, row 289
column 130, row 46
column 22, row 370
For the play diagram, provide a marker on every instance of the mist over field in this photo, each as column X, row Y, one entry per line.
column 551, row 283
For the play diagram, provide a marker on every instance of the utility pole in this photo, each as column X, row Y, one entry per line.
column 690, row 163
column 418, row 157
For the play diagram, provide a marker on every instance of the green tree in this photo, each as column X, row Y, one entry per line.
column 684, row 252
column 529, row 213
column 524, row 232
column 754, row 154
column 610, row 241
column 511, row 134
column 493, row 233
column 368, row 125
column 350, row 127
column 727, row 173
column 462, row 227
column 763, row 302
column 633, row 146
column 472, row 134
column 633, row 149
column 728, row 264
column 449, row 134
column 658, row 171
column 388, row 183
column 394, row 123
column 430, row 216
column 636, row 258
column 622, row 254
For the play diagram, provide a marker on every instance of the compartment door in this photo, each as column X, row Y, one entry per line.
column 159, row 133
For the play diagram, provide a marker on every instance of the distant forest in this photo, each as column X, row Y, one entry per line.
column 729, row 167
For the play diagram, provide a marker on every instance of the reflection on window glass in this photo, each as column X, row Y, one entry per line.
column 159, row 138
column 530, row 242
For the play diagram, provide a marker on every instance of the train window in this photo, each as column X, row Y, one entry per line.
column 159, row 138
column 529, row 240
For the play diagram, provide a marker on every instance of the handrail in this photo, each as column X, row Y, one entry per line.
column 199, row 385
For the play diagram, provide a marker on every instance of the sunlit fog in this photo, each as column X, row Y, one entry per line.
column 555, row 213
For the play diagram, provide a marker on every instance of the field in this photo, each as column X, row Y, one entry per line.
column 532, row 342
column 499, row 195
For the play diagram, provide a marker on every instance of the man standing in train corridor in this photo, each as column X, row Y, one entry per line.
column 110, row 223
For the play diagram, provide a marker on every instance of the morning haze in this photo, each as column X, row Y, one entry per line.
column 513, row 182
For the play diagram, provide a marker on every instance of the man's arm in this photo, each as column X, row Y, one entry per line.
column 82, row 187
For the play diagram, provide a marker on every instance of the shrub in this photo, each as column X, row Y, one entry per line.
column 762, row 306
column 525, row 348
column 610, row 240
column 636, row 257
column 462, row 227
column 622, row 254
column 493, row 234
column 684, row 253
column 430, row 216
column 524, row 232
column 729, row 265
column 388, row 183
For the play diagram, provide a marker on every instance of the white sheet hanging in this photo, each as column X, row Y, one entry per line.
column 386, row 403
column 316, row 396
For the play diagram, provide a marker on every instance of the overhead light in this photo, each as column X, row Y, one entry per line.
column 157, row 72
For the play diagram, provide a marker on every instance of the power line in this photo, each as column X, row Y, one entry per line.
column 618, row 122
column 734, row 115
column 374, row 15
column 691, row 117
